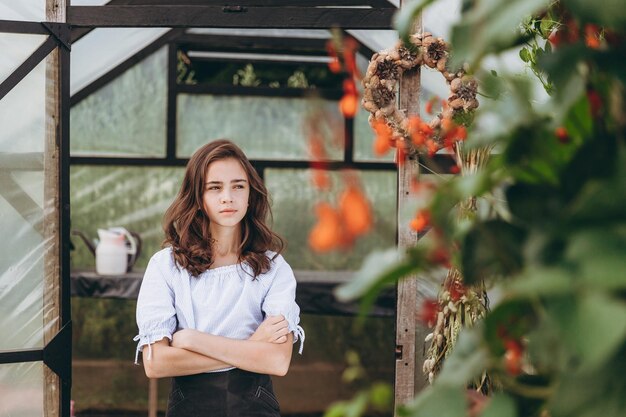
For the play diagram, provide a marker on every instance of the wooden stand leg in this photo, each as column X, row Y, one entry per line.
column 153, row 403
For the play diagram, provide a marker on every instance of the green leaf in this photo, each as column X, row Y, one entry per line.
column 356, row 407
column 563, row 70
column 598, row 392
column 500, row 405
column 437, row 401
column 595, row 159
column 381, row 396
column 603, row 201
column 491, row 248
column 545, row 27
column 490, row 27
column 610, row 13
column 533, row 204
column 378, row 269
column 592, row 326
column 524, row 54
column 600, row 255
column 536, row 281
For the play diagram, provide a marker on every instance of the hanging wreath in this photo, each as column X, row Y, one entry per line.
column 380, row 83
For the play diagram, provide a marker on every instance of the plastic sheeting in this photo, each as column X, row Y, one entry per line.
column 22, row 204
column 103, row 49
column 266, row 127
column 16, row 47
column 21, row 390
column 126, row 117
column 23, row 10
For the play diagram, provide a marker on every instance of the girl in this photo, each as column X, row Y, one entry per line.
column 217, row 308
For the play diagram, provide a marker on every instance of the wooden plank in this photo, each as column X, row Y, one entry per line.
column 261, row 3
column 230, row 17
column 407, row 289
column 55, row 12
column 153, row 397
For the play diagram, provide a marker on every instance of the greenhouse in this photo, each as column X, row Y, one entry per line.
column 448, row 177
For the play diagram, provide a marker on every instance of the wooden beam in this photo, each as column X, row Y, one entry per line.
column 406, row 325
column 253, row 44
column 230, row 17
column 260, row 3
column 55, row 12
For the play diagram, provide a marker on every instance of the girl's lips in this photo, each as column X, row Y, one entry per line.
column 228, row 211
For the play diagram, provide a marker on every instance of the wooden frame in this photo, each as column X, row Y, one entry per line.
column 230, row 17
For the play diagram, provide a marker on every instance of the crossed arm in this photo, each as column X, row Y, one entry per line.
column 267, row 351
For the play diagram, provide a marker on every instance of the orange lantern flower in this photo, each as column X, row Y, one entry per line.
column 349, row 105
column 326, row 234
column 421, row 220
column 355, row 211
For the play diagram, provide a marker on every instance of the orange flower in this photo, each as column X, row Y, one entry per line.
column 326, row 234
column 334, row 66
column 429, row 107
column 381, row 145
column 513, row 356
column 349, row 86
column 349, row 104
column 383, row 136
column 355, row 211
column 592, row 36
column 350, row 46
column 420, row 130
column 432, row 147
column 421, row 221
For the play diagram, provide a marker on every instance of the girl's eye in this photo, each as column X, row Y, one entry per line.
column 213, row 187
column 239, row 186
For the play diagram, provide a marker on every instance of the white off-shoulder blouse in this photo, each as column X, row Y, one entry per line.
column 225, row 301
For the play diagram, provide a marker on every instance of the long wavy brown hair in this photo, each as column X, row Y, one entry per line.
column 186, row 224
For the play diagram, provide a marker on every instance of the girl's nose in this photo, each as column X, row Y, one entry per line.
column 226, row 198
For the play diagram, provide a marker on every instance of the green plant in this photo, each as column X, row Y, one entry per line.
column 246, row 77
column 555, row 343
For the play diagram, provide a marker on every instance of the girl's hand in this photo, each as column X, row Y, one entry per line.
column 274, row 329
column 183, row 338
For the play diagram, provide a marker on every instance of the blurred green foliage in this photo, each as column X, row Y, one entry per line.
column 557, row 254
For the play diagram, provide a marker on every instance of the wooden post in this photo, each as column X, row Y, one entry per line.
column 153, row 391
column 55, row 12
column 406, row 358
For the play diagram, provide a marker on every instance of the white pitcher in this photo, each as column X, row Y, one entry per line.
column 112, row 251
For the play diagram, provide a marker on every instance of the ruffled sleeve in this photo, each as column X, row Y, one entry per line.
column 281, row 300
column 156, row 314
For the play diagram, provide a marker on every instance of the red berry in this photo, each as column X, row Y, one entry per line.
column 562, row 135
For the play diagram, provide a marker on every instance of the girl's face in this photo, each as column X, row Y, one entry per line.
column 226, row 193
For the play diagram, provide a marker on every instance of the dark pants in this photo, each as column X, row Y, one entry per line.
column 233, row 393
